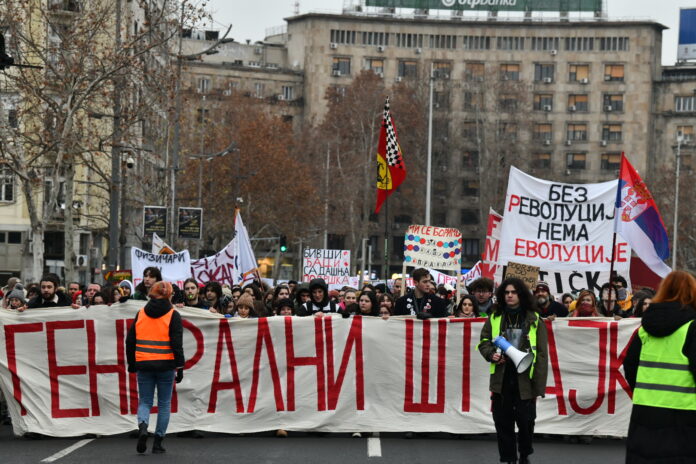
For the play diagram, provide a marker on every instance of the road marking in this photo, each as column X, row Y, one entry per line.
column 374, row 448
column 68, row 450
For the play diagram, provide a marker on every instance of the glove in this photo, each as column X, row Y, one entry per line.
column 179, row 375
column 423, row 315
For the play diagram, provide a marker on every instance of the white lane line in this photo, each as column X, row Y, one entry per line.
column 374, row 448
column 68, row 450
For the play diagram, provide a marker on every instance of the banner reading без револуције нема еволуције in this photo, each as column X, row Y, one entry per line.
column 64, row 372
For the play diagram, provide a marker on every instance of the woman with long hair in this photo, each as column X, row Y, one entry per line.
column 660, row 367
column 151, row 275
column 468, row 307
column 586, row 305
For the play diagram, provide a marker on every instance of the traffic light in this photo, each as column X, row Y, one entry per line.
column 283, row 243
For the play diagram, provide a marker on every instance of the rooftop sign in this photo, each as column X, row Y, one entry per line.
column 492, row 5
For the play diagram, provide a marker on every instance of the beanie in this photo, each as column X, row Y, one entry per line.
column 245, row 300
column 161, row 290
column 17, row 292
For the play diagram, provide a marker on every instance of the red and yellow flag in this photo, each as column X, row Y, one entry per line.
column 391, row 170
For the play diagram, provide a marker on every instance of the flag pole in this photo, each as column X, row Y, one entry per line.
column 613, row 242
column 386, row 240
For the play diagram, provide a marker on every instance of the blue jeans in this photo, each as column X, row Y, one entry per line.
column 164, row 381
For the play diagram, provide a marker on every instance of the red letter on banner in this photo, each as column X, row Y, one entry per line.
column 557, row 388
column 95, row 369
column 602, row 366
column 263, row 337
column 424, row 405
column 10, row 348
column 54, row 370
column 335, row 383
column 466, row 360
column 225, row 338
column 615, row 362
column 293, row 361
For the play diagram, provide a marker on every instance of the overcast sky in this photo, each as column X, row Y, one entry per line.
column 251, row 19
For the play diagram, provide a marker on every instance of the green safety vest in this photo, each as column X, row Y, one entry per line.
column 664, row 379
column 495, row 331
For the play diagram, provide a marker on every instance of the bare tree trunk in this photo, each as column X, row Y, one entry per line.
column 69, row 224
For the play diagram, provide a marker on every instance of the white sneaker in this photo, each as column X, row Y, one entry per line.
column 357, row 435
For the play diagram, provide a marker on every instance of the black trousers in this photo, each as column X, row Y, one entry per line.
column 509, row 410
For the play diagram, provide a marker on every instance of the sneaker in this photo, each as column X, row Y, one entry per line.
column 357, row 435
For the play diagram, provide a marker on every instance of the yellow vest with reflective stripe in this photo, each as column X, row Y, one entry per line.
column 664, row 379
column 495, row 331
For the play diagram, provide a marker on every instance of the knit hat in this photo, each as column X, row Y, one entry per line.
column 161, row 290
column 284, row 302
column 542, row 285
column 126, row 284
column 227, row 291
column 245, row 300
column 17, row 292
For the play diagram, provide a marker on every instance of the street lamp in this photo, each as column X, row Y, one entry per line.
column 428, row 180
column 675, row 231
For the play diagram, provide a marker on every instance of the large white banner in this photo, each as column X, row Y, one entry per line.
column 175, row 267
column 564, row 229
column 64, row 373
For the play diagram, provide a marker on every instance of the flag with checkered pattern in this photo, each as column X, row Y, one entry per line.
column 391, row 170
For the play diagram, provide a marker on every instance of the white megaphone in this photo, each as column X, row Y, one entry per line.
column 521, row 359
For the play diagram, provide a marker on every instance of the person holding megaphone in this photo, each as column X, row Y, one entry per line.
column 514, row 341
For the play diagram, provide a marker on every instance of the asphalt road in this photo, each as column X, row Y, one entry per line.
column 300, row 448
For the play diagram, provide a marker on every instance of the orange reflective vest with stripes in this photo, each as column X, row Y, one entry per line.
column 152, row 341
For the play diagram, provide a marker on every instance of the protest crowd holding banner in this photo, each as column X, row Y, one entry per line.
column 244, row 369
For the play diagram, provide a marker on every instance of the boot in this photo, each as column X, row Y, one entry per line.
column 142, row 437
column 157, row 445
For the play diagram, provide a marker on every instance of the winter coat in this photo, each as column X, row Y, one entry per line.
column 423, row 308
column 157, row 308
column 313, row 307
column 554, row 308
column 39, row 302
column 661, row 435
column 529, row 388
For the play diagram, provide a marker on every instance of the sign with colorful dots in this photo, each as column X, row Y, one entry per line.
column 433, row 247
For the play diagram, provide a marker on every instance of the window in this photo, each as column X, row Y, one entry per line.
column 507, row 130
column 611, row 161
column 376, row 65
column 576, row 160
column 375, row 38
column 543, row 131
column 470, row 159
column 203, row 85
column 288, row 92
column 259, row 89
column 683, row 104
column 409, row 40
column 408, row 69
column 476, row 42
column 341, row 65
column 579, row 73
column 510, row 72
column 441, row 99
column 614, row 72
column 469, row 129
column 543, row 102
column 508, row 102
column 442, row 70
column 202, row 116
column 48, row 188
column 510, row 43
column 543, row 72
column 577, row 132
column 335, row 241
column 613, row 102
column 613, row 44
column 470, row 188
column 579, row 44
column 475, row 71
column 687, row 132
column 545, row 43
column 6, row 184
column 578, row 102
column 12, row 119
column 231, row 86
column 473, row 101
column 541, row 160
column 443, row 41
column 611, row 132
column 470, row 248
column 343, row 37
column 470, row 216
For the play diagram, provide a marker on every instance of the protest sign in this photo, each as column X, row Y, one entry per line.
column 175, row 267
column 526, row 273
column 331, row 265
column 474, row 273
column 190, row 223
column 564, row 229
column 489, row 258
column 160, row 247
column 155, row 220
column 433, row 247
column 63, row 373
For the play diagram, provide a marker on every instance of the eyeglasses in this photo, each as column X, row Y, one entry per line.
column 511, row 292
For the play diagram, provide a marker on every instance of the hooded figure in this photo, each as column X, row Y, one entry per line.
column 302, row 289
column 319, row 301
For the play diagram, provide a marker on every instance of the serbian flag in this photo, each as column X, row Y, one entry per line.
column 639, row 222
column 391, row 171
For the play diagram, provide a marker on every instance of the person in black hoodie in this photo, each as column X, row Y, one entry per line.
column 420, row 302
column 660, row 367
column 154, row 350
column 319, row 302
column 50, row 296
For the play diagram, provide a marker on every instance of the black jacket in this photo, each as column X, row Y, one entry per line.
column 313, row 307
column 662, row 435
column 39, row 302
column 423, row 308
column 156, row 309
column 555, row 308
